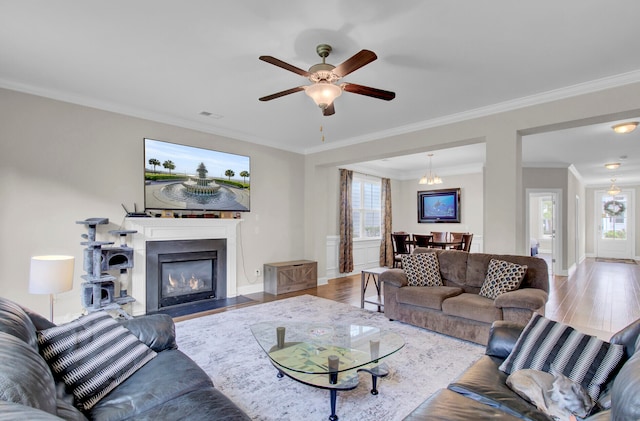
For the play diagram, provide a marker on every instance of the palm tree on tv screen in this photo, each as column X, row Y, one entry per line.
column 154, row 162
column 229, row 173
column 168, row 164
column 244, row 175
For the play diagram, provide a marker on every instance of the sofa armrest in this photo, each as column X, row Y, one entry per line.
column 395, row 277
column 156, row 330
column 528, row 298
column 502, row 338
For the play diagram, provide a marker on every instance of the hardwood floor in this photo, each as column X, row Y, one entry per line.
column 598, row 298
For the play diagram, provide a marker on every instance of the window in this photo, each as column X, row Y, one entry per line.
column 366, row 206
column 546, row 211
column 614, row 217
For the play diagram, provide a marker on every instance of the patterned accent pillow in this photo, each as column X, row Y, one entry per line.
column 584, row 359
column 502, row 277
column 422, row 269
column 92, row 355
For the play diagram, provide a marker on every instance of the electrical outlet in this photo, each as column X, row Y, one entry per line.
column 258, row 272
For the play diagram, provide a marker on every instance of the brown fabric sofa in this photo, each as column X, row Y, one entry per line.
column 456, row 309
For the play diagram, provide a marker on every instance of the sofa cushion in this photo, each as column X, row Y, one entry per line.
column 445, row 405
column 473, row 307
column 483, row 382
column 584, row 359
column 10, row 411
column 168, row 376
column 92, row 355
column 204, row 404
column 502, row 277
column 16, row 322
column 431, row 297
column 157, row 331
column 25, row 378
column 625, row 394
column 422, row 269
column 453, row 267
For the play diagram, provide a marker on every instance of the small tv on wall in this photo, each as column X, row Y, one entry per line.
column 439, row 206
column 181, row 177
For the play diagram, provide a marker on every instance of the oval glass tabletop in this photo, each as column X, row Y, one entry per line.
column 312, row 347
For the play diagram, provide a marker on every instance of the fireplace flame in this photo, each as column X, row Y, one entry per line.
column 182, row 284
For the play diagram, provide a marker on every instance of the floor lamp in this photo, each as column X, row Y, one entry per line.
column 51, row 275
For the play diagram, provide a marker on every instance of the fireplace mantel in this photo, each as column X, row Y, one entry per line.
column 160, row 229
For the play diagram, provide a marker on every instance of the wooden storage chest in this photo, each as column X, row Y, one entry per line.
column 291, row 276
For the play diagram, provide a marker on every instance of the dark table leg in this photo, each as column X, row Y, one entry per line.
column 334, row 395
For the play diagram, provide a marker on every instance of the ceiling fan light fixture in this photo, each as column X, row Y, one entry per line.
column 625, row 127
column 612, row 165
column 323, row 93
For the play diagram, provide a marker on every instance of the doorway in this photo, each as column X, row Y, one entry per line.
column 614, row 220
column 544, row 227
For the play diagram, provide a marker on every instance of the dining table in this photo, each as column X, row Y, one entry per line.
column 450, row 244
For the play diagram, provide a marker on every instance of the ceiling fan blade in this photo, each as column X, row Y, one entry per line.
column 330, row 110
column 355, row 62
column 286, row 66
column 282, row 93
column 366, row 90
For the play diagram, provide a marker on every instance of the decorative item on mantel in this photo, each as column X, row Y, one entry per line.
column 98, row 292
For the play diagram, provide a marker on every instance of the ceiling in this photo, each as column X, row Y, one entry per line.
column 169, row 60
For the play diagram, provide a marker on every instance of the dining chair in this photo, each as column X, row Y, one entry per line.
column 439, row 237
column 422, row 240
column 456, row 236
column 466, row 242
column 401, row 245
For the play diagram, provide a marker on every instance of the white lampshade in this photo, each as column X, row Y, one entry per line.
column 323, row 93
column 51, row 274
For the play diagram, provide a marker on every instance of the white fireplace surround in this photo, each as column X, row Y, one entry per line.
column 161, row 229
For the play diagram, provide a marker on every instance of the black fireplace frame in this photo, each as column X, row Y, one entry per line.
column 155, row 249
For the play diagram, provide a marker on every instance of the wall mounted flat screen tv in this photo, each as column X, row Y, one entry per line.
column 181, row 177
column 439, row 206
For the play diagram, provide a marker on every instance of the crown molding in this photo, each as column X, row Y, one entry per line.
column 531, row 100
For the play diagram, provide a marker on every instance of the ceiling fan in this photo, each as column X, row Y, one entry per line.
column 324, row 76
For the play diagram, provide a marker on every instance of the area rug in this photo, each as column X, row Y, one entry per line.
column 222, row 344
column 609, row 260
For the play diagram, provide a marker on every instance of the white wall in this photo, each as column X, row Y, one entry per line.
column 61, row 163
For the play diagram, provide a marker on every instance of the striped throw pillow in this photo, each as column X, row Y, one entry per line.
column 92, row 355
column 422, row 269
column 582, row 358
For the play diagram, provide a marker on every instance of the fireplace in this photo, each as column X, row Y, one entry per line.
column 184, row 272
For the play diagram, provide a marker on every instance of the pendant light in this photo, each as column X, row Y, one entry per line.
column 430, row 178
column 613, row 190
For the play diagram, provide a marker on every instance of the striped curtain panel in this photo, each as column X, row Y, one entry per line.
column 386, row 248
column 345, row 258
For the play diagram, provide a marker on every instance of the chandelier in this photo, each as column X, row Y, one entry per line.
column 430, row 178
column 613, row 190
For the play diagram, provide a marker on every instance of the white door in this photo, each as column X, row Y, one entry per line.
column 614, row 219
column 543, row 228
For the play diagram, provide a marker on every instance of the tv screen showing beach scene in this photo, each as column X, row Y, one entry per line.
column 181, row 177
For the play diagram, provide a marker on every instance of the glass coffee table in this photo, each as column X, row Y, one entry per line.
column 327, row 356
